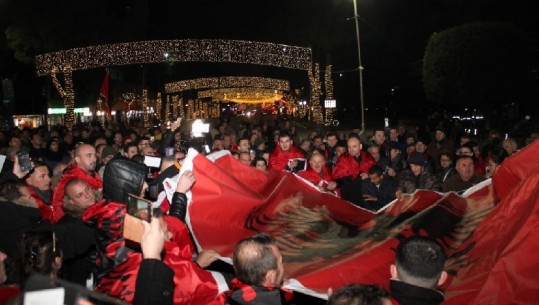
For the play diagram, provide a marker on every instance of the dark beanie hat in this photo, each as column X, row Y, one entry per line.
column 416, row 158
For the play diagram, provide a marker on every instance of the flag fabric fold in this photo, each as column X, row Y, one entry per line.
column 489, row 234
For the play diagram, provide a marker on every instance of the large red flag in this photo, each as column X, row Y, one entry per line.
column 488, row 234
column 104, row 92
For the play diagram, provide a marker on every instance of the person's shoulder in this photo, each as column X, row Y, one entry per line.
column 477, row 178
column 389, row 181
column 451, row 179
column 405, row 174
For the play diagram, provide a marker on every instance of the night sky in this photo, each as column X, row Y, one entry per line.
column 393, row 34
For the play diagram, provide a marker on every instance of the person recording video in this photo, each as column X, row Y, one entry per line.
column 120, row 260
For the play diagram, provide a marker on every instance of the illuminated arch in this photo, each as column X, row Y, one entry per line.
column 227, row 82
column 157, row 51
column 242, row 95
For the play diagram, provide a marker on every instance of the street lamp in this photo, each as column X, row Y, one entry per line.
column 360, row 68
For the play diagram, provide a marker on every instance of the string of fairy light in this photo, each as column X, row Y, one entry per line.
column 230, row 94
column 314, row 80
column 190, row 109
column 145, row 107
column 67, row 93
column 158, row 106
column 180, row 106
column 227, row 82
column 179, row 50
column 328, row 83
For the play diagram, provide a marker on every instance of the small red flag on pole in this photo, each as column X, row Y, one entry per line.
column 104, row 93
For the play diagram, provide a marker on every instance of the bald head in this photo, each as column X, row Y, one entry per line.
column 257, row 261
column 85, row 157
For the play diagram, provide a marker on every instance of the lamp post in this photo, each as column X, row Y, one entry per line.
column 360, row 68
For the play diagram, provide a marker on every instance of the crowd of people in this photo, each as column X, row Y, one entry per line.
column 64, row 217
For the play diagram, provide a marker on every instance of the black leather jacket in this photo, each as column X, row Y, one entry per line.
column 178, row 206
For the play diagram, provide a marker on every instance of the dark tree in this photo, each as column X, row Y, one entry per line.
column 478, row 65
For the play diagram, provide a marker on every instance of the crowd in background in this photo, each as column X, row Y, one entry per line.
column 77, row 175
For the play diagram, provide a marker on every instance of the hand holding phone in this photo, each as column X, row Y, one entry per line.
column 23, row 160
column 139, row 207
column 153, row 239
column 138, row 210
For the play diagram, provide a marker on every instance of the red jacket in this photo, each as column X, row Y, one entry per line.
column 347, row 165
column 71, row 172
column 278, row 159
column 315, row 178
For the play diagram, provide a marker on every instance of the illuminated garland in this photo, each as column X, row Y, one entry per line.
column 158, row 106
column 205, row 112
column 180, row 107
column 291, row 104
column 198, row 109
column 242, row 95
column 191, row 84
column 145, row 109
column 67, row 93
column 215, row 110
column 179, row 50
column 314, row 80
column 328, row 82
column 190, row 109
column 227, row 82
column 168, row 106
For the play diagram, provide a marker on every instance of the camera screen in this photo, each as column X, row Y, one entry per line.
column 152, row 161
column 139, row 207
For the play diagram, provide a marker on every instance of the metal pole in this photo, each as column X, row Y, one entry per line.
column 360, row 68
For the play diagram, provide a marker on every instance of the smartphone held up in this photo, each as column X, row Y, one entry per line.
column 24, row 160
column 138, row 210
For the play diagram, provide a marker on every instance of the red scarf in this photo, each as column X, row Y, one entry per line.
column 44, row 208
column 348, row 166
column 315, row 178
column 70, row 173
column 278, row 159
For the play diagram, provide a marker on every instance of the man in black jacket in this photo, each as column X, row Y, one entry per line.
column 378, row 190
column 77, row 239
column 417, row 271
